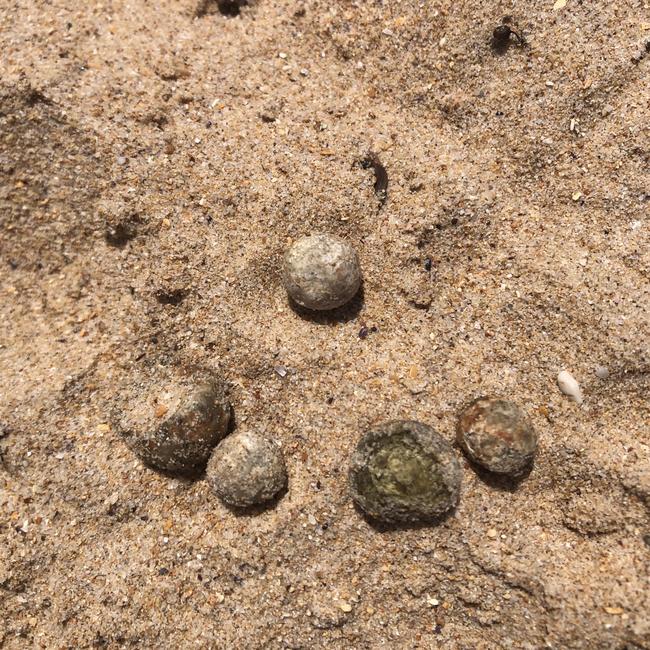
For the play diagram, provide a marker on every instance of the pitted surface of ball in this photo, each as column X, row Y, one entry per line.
column 173, row 417
column 497, row 435
column 247, row 469
column 321, row 272
column 404, row 471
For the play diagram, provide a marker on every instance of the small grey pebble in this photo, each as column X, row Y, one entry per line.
column 321, row 272
column 121, row 160
column 497, row 434
column 602, row 372
column 404, row 471
column 181, row 438
column 246, row 469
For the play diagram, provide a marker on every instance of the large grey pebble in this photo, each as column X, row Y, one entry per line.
column 321, row 272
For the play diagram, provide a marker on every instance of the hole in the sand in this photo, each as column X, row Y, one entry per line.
column 170, row 297
column 228, row 8
column 120, row 235
column 381, row 176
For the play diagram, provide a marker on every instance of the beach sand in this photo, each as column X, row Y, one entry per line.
column 157, row 159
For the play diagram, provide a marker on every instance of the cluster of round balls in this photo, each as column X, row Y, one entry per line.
column 401, row 471
column 406, row 472
column 244, row 469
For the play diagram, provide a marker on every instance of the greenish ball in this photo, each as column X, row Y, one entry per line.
column 403, row 471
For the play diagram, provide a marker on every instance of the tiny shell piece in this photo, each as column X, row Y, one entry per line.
column 602, row 372
column 569, row 386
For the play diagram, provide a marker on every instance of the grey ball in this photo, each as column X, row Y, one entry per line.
column 181, row 438
column 404, row 471
column 321, row 272
column 247, row 469
column 497, row 435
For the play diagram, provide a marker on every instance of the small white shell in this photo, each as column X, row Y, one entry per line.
column 569, row 386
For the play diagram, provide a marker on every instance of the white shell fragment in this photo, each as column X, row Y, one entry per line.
column 569, row 386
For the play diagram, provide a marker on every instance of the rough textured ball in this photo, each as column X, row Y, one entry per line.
column 172, row 418
column 404, row 471
column 497, row 435
column 247, row 469
column 321, row 272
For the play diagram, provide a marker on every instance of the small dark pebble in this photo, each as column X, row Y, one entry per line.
column 427, row 264
column 162, row 571
column 502, row 33
column 364, row 331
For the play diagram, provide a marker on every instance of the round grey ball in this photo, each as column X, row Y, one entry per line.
column 496, row 434
column 321, row 272
column 246, row 469
column 404, row 471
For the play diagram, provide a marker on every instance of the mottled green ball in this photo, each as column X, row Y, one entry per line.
column 403, row 471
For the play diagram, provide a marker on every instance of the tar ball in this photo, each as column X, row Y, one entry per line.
column 497, row 435
column 247, row 469
column 321, row 272
column 404, row 471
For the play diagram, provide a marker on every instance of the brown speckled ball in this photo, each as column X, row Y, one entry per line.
column 321, row 272
column 171, row 416
column 497, row 435
column 247, row 469
column 404, row 472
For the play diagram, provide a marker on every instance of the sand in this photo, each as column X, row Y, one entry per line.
column 157, row 158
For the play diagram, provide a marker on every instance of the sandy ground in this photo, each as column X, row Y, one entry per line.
column 156, row 159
